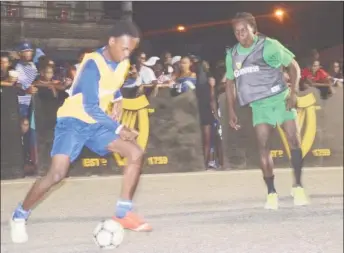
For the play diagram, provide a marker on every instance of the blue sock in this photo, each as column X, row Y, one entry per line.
column 122, row 207
column 20, row 213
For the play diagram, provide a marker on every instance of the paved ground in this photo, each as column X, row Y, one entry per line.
column 191, row 213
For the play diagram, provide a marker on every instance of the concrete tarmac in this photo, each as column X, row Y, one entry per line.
column 204, row 212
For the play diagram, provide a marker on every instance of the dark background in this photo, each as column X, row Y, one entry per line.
column 308, row 25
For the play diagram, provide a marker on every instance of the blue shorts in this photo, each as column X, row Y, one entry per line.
column 72, row 134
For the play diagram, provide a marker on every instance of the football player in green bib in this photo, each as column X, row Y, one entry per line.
column 255, row 78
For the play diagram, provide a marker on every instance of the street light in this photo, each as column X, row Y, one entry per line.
column 181, row 28
column 279, row 14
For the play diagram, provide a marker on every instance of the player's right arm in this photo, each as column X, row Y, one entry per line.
column 230, row 92
column 88, row 85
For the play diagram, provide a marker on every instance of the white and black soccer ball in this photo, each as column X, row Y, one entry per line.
column 108, row 234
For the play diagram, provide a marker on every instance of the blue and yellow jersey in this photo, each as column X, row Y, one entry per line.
column 97, row 83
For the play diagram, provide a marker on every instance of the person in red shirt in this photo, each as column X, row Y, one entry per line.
column 317, row 77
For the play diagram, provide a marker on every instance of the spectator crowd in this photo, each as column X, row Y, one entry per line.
column 30, row 71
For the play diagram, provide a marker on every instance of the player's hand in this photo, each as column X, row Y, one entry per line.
column 291, row 101
column 233, row 121
column 127, row 134
column 116, row 112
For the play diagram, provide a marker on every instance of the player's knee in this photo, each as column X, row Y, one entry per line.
column 58, row 177
column 57, row 174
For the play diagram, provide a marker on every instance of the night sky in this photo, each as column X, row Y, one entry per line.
column 308, row 25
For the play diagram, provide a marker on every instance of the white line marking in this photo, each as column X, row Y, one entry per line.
column 181, row 174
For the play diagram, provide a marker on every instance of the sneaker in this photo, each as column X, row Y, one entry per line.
column 133, row 222
column 18, row 230
column 271, row 201
column 299, row 195
column 212, row 166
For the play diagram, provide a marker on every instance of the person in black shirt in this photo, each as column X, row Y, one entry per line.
column 208, row 112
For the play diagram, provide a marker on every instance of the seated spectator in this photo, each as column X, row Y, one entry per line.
column 317, row 77
column 27, row 73
column 186, row 80
column 336, row 74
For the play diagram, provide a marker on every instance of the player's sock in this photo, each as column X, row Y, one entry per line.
column 269, row 181
column 297, row 162
column 20, row 213
column 122, row 207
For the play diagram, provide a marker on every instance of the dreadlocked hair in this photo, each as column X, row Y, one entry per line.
column 248, row 17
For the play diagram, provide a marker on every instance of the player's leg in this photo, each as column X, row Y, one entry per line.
column 263, row 132
column 104, row 142
column 218, row 147
column 67, row 146
column 206, row 139
column 264, row 122
column 292, row 133
column 206, row 121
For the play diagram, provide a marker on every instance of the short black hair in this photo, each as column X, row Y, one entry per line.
column 248, row 17
column 125, row 27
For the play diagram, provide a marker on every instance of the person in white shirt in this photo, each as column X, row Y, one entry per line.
column 146, row 74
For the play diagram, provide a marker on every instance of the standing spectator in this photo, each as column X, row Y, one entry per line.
column 186, row 79
column 317, row 77
column 336, row 74
column 38, row 54
column 166, row 58
column 45, row 83
column 8, row 76
column 208, row 113
column 25, row 136
column 175, row 65
column 131, row 84
column 161, row 75
column 146, row 74
column 27, row 73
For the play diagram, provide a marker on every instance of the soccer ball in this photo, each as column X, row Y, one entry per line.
column 108, row 234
